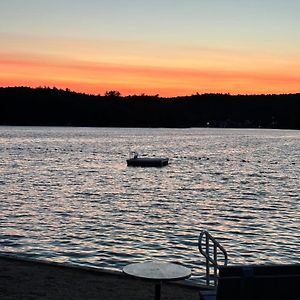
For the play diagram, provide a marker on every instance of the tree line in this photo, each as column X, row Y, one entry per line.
column 58, row 107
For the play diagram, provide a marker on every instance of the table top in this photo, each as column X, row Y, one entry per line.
column 157, row 271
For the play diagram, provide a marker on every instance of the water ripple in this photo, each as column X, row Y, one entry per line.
column 67, row 195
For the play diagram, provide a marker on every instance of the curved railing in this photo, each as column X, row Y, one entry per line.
column 211, row 260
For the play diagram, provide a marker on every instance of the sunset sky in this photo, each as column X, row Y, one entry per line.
column 166, row 47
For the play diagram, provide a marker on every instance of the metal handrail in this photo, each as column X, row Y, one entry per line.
column 211, row 261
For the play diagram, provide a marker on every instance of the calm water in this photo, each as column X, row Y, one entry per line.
column 67, row 195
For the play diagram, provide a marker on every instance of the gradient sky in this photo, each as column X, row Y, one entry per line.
column 166, row 47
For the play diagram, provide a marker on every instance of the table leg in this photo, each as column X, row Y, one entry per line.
column 157, row 290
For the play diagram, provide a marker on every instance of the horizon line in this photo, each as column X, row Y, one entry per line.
column 120, row 95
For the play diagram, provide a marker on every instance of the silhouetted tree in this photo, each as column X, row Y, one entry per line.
column 62, row 107
column 112, row 93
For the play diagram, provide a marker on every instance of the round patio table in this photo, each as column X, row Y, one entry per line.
column 157, row 272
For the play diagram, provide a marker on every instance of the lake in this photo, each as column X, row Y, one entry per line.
column 67, row 195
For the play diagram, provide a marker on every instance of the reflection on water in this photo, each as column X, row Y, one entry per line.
column 67, row 194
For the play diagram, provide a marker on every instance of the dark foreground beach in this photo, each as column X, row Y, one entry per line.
column 30, row 279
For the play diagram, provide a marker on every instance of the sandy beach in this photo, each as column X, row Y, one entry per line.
column 30, row 279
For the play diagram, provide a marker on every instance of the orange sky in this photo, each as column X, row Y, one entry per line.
column 167, row 72
column 160, row 57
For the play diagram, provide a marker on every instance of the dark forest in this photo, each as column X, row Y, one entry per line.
column 57, row 107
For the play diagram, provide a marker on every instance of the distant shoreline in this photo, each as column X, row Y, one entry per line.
column 178, row 128
column 25, row 106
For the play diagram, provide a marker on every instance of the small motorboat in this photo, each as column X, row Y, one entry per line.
column 136, row 161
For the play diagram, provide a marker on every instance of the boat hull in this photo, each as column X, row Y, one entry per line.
column 147, row 162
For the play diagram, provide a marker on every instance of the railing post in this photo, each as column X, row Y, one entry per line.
column 211, row 260
column 215, row 264
column 207, row 259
